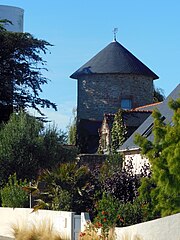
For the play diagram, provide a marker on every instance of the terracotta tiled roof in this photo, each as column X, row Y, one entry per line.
column 149, row 107
column 166, row 113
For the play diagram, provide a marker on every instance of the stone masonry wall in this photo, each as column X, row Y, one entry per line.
column 91, row 160
column 102, row 93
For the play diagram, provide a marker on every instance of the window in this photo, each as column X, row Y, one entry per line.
column 126, row 103
column 148, row 130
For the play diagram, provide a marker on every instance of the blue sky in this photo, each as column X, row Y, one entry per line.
column 80, row 29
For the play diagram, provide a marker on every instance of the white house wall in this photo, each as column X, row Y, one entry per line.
column 138, row 161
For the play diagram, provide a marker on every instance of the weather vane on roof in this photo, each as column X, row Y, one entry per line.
column 115, row 30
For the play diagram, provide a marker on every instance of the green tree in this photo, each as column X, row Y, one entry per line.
column 26, row 147
column 54, row 149
column 21, row 71
column 162, row 191
column 20, row 146
column 118, row 132
column 158, row 95
column 72, row 128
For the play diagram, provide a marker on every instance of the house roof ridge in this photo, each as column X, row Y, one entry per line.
column 126, row 110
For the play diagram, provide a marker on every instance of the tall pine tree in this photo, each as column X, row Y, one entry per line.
column 164, row 156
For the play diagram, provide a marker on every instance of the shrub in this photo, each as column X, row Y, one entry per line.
column 129, row 214
column 123, row 184
column 26, row 147
column 112, row 164
column 12, row 194
column 20, row 147
column 94, row 232
column 107, row 215
column 65, row 188
column 112, row 213
column 37, row 231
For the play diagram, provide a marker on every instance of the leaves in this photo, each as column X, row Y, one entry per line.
column 19, row 147
column 111, row 213
column 26, row 147
column 123, row 184
column 72, row 128
column 12, row 193
column 64, row 187
column 118, row 132
column 21, row 66
column 164, row 155
column 158, row 95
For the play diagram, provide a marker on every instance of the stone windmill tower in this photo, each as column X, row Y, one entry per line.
column 112, row 79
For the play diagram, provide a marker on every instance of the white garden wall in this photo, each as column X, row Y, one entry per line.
column 63, row 222
column 68, row 224
column 167, row 228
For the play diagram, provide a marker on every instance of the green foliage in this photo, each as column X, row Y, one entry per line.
column 72, row 134
column 130, row 213
column 148, row 197
column 26, row 148
column 72, row 129
column 21, row 67
column 118, row 132
column 20, row 147
column 123, row 184
column 164, row 154
column 64, row 187
column 75, row 188
column 13, row 195
column 54, row 149
column 158, row 95
column 112, row 164
column 112, row 213
column 108, row 213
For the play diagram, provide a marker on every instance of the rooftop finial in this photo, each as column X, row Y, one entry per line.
column 115, row 30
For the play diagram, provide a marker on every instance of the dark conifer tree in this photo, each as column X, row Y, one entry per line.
column 21, row 67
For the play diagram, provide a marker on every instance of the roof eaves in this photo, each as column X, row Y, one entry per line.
column 148, row 105
column 129, row 149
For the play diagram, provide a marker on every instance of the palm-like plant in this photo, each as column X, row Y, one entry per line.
column 63, row 188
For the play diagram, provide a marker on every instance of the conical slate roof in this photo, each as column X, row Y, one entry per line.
column 114, row 58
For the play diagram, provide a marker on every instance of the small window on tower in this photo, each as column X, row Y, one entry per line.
column 126, row 103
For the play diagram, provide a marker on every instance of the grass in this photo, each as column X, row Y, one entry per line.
column 36, row 231
column 44, row 230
